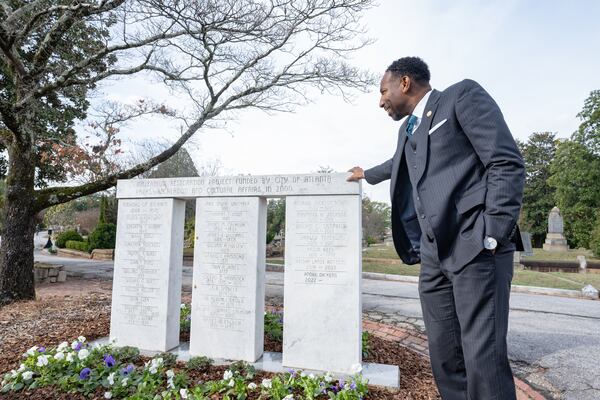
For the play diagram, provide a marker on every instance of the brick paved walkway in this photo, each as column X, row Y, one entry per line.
column 416, row 340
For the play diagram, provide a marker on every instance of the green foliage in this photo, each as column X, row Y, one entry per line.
column 243, row 368
column 62, row 238
column 185, row 317
column 127, row 354
column 595, row 239
column 103, row 237
column 538, row 196
column 576, row 178
column 200, row 364
column 189, row 233
column 169, row 359
column 366, row 346
column 275, row 218
column 56, row 113
column 274, row 326
column 588, row 133
column 107, row 370
column 77, row 245
column 376, row 218
column 103, row 206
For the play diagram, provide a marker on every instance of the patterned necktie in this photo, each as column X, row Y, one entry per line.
column 410, row 126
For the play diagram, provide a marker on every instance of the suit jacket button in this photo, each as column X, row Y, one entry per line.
column 422, row 216
column 415, row 166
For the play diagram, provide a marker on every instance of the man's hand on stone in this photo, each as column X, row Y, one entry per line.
column 357, row 174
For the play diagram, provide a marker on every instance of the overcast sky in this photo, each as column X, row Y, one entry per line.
column 538, row 59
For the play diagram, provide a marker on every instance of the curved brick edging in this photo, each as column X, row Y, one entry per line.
column 417, row 342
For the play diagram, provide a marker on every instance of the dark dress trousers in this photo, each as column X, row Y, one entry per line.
column 457, row 179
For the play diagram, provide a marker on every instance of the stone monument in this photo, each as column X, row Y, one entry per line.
column 322, row 327
column 555, row 239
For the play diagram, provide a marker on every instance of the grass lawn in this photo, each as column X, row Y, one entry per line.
column 570, row 255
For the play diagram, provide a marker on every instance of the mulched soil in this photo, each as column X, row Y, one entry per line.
column 55, row 318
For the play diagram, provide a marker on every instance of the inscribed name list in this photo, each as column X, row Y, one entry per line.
column 147, row 274
column 228, row 295
column 322, row 320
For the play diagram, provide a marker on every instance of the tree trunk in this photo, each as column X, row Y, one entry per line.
column 16, row 249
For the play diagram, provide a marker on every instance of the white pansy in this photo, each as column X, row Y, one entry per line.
column 22, row 368
column 328, row 378
column 311, row 376
column 170, row 373
column 27, row 375
column 59, row 356
column 42, row 361
column 70, row 357
column 13, row 374
column 289, row 397
column 231, row 383
column 32, row 351
column 83, row 353
column 252, row 386
column 81, row 339
column 182, row 306
column 356, row 368
column 183, row 393
column 62, row 347
column 170, row 383
column 227, row 375
column 74, row 344
column 155, row 364
column 111, row 378
column 302, row 374
column 266, row 383
column 108, row 395
column 125, row 381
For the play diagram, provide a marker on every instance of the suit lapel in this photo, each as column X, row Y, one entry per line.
column 422, row 133
column 398, row 156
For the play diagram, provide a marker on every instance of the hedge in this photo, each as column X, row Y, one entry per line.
column 78, row 245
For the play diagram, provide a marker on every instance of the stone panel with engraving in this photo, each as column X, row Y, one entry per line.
column 228, row 282
column 232, row 186
column 147, row 274
column 322, row 320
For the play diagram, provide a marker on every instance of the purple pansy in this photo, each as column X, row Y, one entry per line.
column 42, row 349
column 109, row 361
column 78, row 346
column 127, row 370
column 85, row 373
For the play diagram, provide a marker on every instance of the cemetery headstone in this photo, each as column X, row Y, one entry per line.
column 555, row 239
column 528, row 247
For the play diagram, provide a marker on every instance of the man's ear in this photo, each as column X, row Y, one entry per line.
column 405, row 84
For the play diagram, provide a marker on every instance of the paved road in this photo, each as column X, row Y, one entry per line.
column 554, row 342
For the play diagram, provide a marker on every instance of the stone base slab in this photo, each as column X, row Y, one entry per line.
column 555, row 247
column 377, row 374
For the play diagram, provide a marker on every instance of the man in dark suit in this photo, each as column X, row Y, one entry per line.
column 456, row 187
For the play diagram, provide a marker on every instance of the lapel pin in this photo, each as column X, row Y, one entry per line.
column 429, row 113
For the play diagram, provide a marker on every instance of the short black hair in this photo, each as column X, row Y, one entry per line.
column 411, row 66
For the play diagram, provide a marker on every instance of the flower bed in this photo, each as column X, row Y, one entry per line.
column 120, row 373
column 83, row 308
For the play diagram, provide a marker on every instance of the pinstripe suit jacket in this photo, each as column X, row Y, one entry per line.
column 470, row 177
